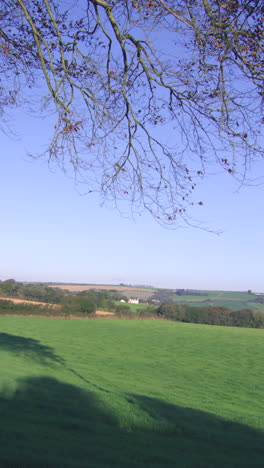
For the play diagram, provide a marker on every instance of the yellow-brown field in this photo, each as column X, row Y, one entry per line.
column 142, row 293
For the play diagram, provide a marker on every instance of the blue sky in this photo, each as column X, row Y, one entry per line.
column 51, row 233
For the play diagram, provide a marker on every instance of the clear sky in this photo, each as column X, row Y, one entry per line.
column 49, row 232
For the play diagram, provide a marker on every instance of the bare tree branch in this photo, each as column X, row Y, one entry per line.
column 117, row 95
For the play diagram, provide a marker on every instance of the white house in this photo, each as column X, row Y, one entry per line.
column 133, row 301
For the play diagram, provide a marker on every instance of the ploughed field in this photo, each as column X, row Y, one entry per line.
column 130, row 393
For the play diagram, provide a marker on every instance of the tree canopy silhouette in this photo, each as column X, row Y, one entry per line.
column 122, row 75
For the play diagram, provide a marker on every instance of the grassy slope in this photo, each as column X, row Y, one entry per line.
column 120, row 393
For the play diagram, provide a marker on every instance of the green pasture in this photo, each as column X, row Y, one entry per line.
column 236, row 305
column 190, row 299
column 234, row 300
column 236, row 295
column 130, row 393
column 233, row 305
column 133, row 307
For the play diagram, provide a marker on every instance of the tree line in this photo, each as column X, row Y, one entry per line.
column 189, row 292
column 86, row 303
column 211, row 315
column 31, row 291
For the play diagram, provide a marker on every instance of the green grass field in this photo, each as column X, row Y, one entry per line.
column 133, row 307
column 233, row 300
column 130, row 393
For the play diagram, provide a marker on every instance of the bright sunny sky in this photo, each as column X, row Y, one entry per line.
column 52, row 233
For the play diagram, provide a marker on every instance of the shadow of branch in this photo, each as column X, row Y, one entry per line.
column 48, row 423
column 29, row 348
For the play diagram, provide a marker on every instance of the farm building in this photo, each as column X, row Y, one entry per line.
column 133, row 301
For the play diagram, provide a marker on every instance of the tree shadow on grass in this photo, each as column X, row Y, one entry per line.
column 41, row 354
column 28, row 348
column 47, row 423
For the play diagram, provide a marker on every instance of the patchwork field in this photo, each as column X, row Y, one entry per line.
column 129, row 393
column 137, row 292
column 234, row 300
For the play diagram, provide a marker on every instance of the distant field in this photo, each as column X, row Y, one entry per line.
column 133, row 307
column 236, row 305
column 130, row 394
column 133, row 292
column 231, row 299
column 187, row 299
column 24, row 301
